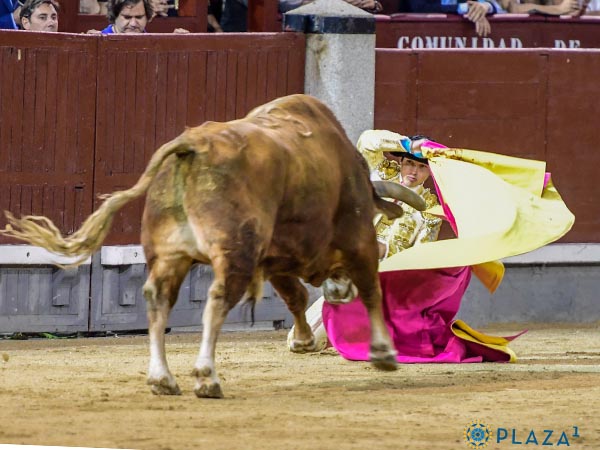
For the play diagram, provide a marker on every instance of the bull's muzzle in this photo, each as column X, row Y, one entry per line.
column 339, row 290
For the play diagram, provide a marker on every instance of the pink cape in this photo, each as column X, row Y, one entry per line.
column 419, row 308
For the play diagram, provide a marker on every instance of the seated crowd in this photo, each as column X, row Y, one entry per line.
column 132, row 16
column 124, row 16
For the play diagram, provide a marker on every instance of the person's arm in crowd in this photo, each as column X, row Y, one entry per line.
column 477, row 12
column 565, row 7
column 372, row 6
column 213, row 22
column 161, row 8
column 474, row 11
column 7, row 8
column 89, row 7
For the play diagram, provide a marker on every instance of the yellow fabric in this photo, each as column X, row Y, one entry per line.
column 464, row 331
column 501, row 208
column 490, row 274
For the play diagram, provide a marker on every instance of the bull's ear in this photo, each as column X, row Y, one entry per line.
column 389, row 209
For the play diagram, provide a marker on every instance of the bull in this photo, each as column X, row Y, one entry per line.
column 280, row 195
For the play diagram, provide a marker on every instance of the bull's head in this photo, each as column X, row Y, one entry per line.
column 338, row 288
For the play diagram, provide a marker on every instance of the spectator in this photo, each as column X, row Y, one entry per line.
column 39, row 15
column 475, row 11
column 565, row 7
column 234, row 16
column 160, row 7
column 7, row 21
column 130, row 17
column 235, row 12
column 213, row 23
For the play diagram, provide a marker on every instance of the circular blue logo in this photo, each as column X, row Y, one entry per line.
column 477, row 434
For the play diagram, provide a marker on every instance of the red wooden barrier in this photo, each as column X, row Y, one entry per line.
column 47, row 113
column 80, row 115
column 263, row 15
column 573, row 135
column 508, row 31
column 152, row 88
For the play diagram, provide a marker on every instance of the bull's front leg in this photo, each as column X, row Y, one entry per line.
column 301, row 338
column 382, row 353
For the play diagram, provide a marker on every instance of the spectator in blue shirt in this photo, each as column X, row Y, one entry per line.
column 7, row 7
column 128, row 16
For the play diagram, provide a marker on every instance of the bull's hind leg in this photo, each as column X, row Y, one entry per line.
column 160, row 291
column 225, row 292
column 295, row 296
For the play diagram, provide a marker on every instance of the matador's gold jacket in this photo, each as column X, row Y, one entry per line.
column 414, row 227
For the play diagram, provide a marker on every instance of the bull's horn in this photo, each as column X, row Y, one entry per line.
column 391, row 189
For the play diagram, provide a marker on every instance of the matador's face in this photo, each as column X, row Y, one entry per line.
column 413, row 173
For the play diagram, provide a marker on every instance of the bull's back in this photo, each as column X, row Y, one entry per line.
column 317, row 147
column 285, row 175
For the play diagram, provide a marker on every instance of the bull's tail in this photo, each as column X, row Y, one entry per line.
column 40, row 231
column 253, row 294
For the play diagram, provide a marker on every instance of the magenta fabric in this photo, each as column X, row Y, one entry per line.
column 547, row 178
column 419, row 307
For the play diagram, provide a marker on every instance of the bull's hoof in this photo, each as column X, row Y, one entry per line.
column 388, row 364
column 298, row 346
column 318, row 342
column 164, row 387
column 383, row 358
column 212, row 390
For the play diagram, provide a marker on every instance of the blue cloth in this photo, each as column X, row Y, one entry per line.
column 446, row 6
column 110, row 30
column 7, row 7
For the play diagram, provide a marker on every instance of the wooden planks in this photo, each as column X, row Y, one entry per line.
column 150, row 89
column 47, row 114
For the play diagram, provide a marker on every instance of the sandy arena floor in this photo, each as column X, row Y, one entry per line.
column 92, row 392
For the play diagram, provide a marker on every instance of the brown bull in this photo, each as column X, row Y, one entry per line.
column 279, row 195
